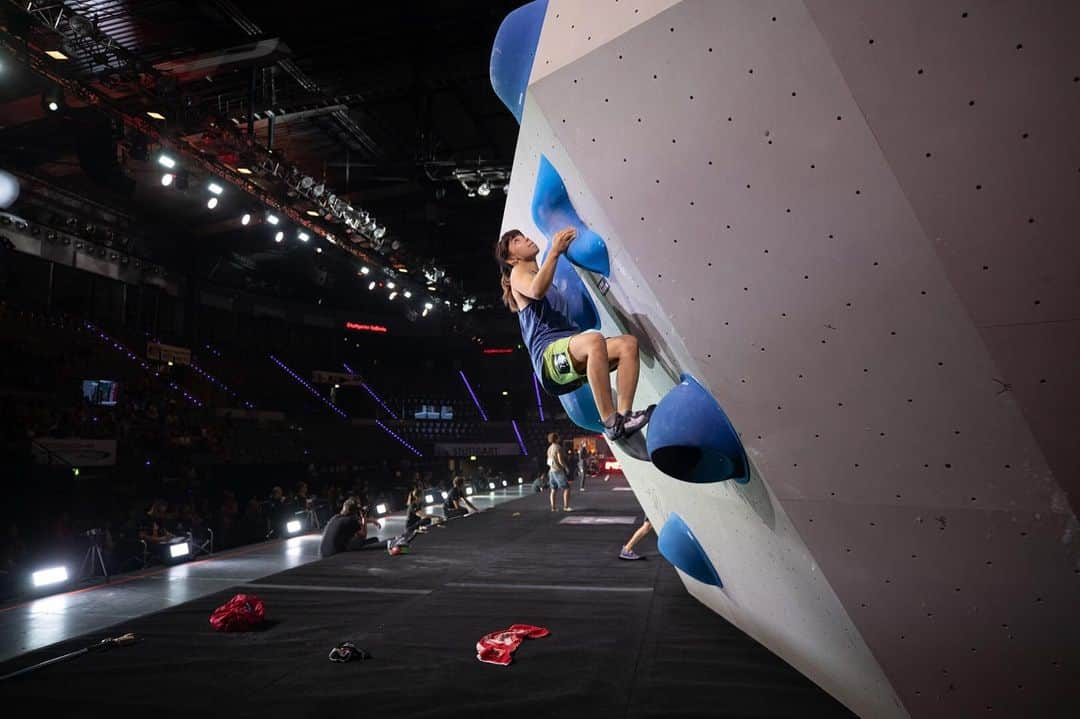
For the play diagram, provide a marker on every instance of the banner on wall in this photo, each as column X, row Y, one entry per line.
column 167, row 353
column 319, row 376
column 467, row 449
column 73, row 451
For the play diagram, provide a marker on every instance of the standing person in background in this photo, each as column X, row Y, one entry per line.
column 628, row 548
column 583, row 458
column 557, row 472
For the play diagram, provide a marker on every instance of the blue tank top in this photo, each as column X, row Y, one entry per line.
column 542, row 322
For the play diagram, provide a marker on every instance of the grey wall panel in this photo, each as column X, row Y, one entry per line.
column 764, row 186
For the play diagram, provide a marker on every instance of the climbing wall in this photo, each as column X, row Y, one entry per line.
column 855, row 223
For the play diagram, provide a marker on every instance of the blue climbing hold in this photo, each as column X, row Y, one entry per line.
column 553, row 211
column 581, row 409
column 513, row 53
column 679, row 546
column 690, row 438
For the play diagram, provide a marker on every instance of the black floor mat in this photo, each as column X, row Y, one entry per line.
column 626, row 638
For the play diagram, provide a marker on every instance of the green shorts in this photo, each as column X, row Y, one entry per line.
column 558, row 366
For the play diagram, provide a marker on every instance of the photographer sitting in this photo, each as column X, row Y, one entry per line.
column 347, row 530
column 456, row 502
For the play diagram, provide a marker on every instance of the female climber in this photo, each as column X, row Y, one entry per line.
column 564, row 356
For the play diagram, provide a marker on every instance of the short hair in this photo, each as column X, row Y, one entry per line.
column 552, row 437
column 350, row 506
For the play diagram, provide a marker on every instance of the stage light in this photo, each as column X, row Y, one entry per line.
column 484, row 190
column 505, row 393
column 245, row 220
column 155, row 115
column 312, row 213
column 445, row 495
column 407, row 294
column 491, row 485
column 243, row 171
column 74, row 471
column 56, row 55
column 212, row 203
column 304, row 237
column 393, row 295
column 379, row 232
column 318, row 250
column 364, row 270
column 293, row 526
column 521, row 481
column 167, row 179
column 504, row 483
column 178, row 550
column 166, row 161
column 53, row 105
column 371, row 285
column 468, row 491
column 429, row 498
column 215, row 188
column 390, row 285
column 272, row 218
column 53, row 575
column 380, row 509
column 279, row 237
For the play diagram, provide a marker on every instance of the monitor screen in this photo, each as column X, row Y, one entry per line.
column 101, row 391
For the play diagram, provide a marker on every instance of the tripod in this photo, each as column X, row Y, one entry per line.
column 93, row 559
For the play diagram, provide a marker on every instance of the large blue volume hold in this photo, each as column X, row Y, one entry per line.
column 552, row 211
column 679, row 546
column 513, row 53
column 690, row 438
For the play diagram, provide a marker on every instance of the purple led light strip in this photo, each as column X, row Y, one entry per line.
column 214, row 380
column 393, row 434
column 539, row 404
column 377, row 399
column 518, row 433
column 474, row 399
column 311, row 389
column 106, row 339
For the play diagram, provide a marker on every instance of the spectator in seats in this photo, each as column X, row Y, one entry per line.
column 252, row 526
column 229, row 516
column 13, row 552
column 152, row 528
column 558, row 475
column 301, row 498
column 278, row 511
column 456, row 501
column 346, row 530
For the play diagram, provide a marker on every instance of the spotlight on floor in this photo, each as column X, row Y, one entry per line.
column 293, row 526
column 179, row 550
column 50, row 576
column 429, row 498
column 380, row 509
